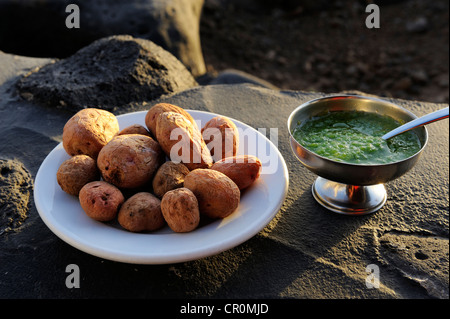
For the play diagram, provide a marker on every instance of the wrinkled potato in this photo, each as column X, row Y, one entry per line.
column 88, row 131
column 76, row 172
column 141, row 212
column 181, row 141
column 135, row 129
column 129, row 161
column 242, row 169
column 221, row 136
column 100, row 200
column 169, row 176
column 152, row 115
column 218, row 196
column 180, row 210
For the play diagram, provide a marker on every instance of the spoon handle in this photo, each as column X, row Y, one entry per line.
column 429, row 118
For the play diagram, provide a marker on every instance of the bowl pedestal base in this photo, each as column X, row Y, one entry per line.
column 349, row 199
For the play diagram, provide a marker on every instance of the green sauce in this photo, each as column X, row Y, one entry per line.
column 355, row 137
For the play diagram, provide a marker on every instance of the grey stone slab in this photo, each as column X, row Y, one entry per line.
column 304, row 252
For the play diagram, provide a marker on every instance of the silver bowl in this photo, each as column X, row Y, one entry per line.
column 352, row 189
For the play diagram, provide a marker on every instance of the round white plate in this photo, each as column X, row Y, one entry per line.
column 259, row 204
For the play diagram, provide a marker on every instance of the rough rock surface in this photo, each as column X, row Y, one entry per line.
column 414, row 255
column 232, row 76
column 16, row 186
column 172, row 24
column 110, row 72
column 304, row 252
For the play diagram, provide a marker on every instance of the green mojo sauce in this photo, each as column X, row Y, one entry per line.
column 355, row 137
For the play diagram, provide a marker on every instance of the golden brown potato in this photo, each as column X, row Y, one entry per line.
column 76, row 172
column 221, row 136
column 218, row 196
column 129, row 161
column 135, row 129
column 242, row 169
column 100, row 200
column 88, row 131
column 181, row 141
column 141, row 212
column 169, row 176
column 152, row 115
column 180, row 210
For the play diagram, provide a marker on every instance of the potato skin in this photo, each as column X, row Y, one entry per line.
column 241, row 169
column 224, row 129
column 169, row 176
column 180, row 210
column 88, row 131
column 218, row 196
column 76, row 172
column 100, row 200
column 153, row 113
column 141, row 212
column 190, row 149
column 135, row 129
column 130, row 160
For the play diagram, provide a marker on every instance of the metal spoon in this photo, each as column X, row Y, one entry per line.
column 426, row 119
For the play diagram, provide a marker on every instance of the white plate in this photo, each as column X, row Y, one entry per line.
column 259, row 204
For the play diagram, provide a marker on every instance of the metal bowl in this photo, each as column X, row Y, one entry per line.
column 351, row 188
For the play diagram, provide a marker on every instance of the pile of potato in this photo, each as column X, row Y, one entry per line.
column 137, row 176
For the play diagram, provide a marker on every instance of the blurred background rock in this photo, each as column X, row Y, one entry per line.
column 292, row 44
column 37, row 27
column 325, row 46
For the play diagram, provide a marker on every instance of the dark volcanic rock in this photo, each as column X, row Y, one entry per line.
column 108, row 73
column 15, row 189
column 37, row 28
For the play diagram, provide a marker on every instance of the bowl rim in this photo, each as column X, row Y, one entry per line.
column 355, row 96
